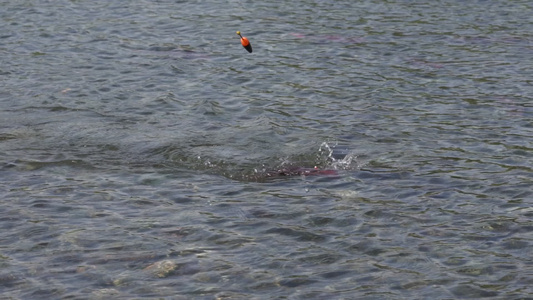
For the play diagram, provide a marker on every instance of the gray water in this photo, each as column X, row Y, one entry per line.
column 135, row 139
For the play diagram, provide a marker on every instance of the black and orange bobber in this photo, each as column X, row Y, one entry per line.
column 245, row 42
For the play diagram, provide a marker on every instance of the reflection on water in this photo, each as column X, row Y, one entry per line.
column 144, row 155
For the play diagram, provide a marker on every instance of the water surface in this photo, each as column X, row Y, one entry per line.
column 135, row 139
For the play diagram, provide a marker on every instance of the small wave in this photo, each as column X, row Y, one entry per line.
column 340, row 157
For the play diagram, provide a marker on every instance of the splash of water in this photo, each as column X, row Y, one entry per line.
column 338, row 157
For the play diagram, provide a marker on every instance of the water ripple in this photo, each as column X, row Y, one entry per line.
column 143, row 150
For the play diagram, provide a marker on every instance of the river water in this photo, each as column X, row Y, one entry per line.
column 140, row 146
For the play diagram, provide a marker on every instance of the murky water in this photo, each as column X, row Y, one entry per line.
column 144, row 152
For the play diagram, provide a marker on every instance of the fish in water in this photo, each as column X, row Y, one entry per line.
column 283, row 172
column 299, row 171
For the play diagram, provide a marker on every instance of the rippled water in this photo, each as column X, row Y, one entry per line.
column 137, row 141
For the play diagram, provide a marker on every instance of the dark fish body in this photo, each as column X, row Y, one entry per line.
column 299, row 171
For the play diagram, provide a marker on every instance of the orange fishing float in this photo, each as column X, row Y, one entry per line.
column 245, row 42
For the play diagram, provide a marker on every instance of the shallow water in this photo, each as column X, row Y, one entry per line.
column 136, row 140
